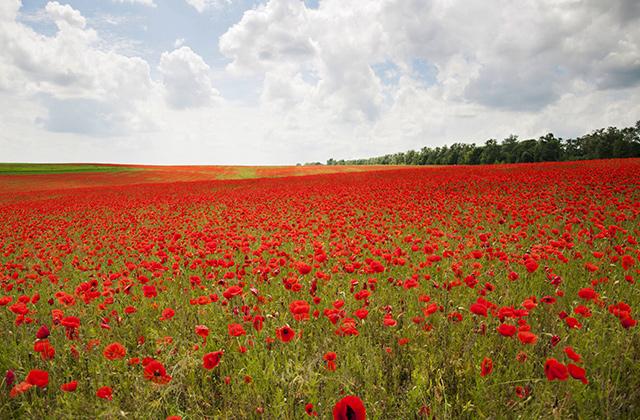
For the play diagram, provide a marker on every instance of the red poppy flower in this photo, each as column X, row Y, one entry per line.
column 388, row 321
column 211, row 360
column 39, row 378
column 202, row 331
column 43, row 332
column 330, row 358
column 149, row 291
column 531, row 265
column 486, row 367
column 587, row 293
column 507, row 330
column 19, row 389
column 571, row 354
column 167, row 313
column 308, row 408
column 69, row 386
column 555, row 370
column 154, row 371
column 478, row 309
column 236, row 330
column 349, row 408
column 285, row 334
column 299, row 309
column 303, row 268
column 577, row 372
column 46, row 350
column 258, row 321
column 9, row 378
column 361, row 313
column 231, row 292
column 106, row 393
column 114, row 351
column 527, row 337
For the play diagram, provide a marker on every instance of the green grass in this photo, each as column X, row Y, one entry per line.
column 58, row 168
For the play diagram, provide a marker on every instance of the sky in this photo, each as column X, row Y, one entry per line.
column 286, row 81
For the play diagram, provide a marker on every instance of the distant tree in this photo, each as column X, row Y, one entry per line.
column 599, row 144
column 508, row 147
column 490, row 152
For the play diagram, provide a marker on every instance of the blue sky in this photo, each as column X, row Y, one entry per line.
column 287, row 81
column 152, row 29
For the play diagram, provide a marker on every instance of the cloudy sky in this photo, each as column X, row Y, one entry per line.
column 286, row 81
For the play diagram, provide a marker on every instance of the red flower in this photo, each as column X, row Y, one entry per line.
column 106, row 393
column 43, row 332
column 486, row 367
column 258, row 321
column 285, row 334
column 571, row 354
column 555, row 370
column 114, row 351
column 587, row 293
column 9, row 378
column 531, row 265
column 361, row 313
column 577, row 372
column 39, row 378
column 203, row 332
column 211, row 360
column 591, row 267
column 330, row 358
column 236, row 330
column 231, row 292
column 154, row 371
column 149, row 291
column 71, row 323
column 19, row 389
column 388, row 321
column 300, row 310
column 627, row 262
column 167, row 313
column 349, row 408
column 69, row 386
column 527, row 337
column 309, row 410
column 46, row 350
column 478, row 309
column 507, row 330
column 303, row 268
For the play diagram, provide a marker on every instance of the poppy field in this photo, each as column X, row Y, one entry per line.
column 498, row 291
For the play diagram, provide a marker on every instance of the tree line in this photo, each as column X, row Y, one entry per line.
column 604, row 143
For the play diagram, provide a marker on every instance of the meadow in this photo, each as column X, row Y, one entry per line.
column 498, row 291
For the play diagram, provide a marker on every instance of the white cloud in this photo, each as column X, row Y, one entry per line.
column 187, row 79
column 149, row 3
column 83, row 88
column 64, row 14
column 492, row 62
column 179, row 42
column 329, row 48
column 202, row 5
column 343, row 80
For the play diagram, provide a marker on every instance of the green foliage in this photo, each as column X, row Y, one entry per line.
column 603, row 143
column 58, row 168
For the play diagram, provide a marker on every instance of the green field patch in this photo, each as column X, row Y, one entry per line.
column 58, row 168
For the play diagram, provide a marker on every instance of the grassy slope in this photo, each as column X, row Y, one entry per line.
column 58, row 168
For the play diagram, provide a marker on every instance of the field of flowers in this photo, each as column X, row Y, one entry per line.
column 490, row 291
